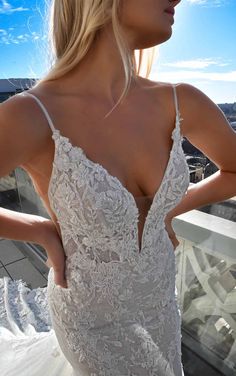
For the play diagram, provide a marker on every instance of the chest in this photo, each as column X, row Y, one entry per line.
column 135, row 152
column 85, row 196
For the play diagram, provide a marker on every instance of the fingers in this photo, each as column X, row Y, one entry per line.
column 59, row 279
column 48, row 263
column 59, row 271
column 171, row 233
column 175, row 242
column 59, row 276
column 56, row 256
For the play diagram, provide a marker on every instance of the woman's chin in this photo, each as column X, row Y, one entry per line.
column 164, row 36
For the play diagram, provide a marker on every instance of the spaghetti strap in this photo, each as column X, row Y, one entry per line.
column 176, row 105
column 43, row 109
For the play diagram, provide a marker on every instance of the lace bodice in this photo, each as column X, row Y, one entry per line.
column 109, row 190
column 119, row 315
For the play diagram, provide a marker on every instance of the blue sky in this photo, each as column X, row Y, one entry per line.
column 201, row 50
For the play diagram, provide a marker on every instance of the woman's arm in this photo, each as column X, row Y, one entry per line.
column 218, row 187
column 206, row 127
column 18, row 144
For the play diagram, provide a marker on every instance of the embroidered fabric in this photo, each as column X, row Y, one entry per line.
column 119, row 315
column 28, row 344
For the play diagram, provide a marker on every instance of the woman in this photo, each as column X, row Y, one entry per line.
column 111, row 171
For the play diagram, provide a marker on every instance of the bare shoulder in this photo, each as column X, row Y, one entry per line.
column 155, row 86
column 203, row 122
column 197, row 109
column 163, row 91
column 160, row 92
column 188, row 95
column 47, row 88
column 206, row 126
column 22, row 133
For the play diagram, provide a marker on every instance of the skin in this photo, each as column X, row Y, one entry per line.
column 133, row 143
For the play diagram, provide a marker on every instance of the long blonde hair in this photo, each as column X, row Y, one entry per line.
column 73, row 27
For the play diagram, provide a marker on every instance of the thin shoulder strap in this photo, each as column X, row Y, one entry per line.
column 43, row 109
column 176, row 104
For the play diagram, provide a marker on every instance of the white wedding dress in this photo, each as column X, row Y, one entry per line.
column 119, row 315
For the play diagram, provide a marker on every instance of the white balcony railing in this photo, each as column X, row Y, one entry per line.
column 206, row 283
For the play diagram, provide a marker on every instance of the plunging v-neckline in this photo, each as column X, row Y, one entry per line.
column 117, row 180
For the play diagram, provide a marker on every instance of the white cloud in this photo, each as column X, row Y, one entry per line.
column 196, row 63
column 192, row 75
column 3, row 32
column 7, row 8
column 4, row 40
column 6, row 37
column 208, row 3
column 200, row 63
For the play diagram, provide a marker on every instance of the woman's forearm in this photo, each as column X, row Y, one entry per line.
column 21, row 226
column 39, row 230
column 218, row 187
